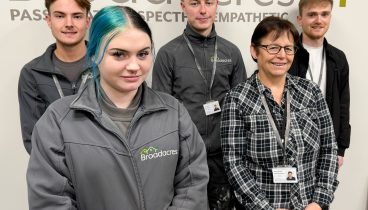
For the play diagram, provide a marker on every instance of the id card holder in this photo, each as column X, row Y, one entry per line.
column 211, row 107
column 284, row 175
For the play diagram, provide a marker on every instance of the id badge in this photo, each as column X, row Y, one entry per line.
column 211, row 107
column 284, row 175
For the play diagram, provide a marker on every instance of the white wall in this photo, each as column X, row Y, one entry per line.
column 348, row 32
column 26, row 36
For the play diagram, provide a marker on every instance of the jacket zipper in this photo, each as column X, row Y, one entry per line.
column 131, row 157
column 132, row 160
column 208, row 90
column 131, row 125
column 74, row 87
column 136, row 172
column 139, row 181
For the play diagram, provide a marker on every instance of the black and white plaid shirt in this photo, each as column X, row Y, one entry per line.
column 251, row 150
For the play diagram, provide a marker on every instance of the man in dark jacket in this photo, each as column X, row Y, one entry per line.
column 62, row 70
column 199, row 68
column 324, row 64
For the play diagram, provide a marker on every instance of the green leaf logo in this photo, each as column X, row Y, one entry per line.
column 148, row 150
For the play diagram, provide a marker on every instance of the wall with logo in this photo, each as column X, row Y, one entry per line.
column 25, row 35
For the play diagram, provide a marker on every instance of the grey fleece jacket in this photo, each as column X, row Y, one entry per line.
column 176, row 73
column 80, row 159
column 37, row 90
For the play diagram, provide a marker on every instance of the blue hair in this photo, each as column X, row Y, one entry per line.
column 106, row 24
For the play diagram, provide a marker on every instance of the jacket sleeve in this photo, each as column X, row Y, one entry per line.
column 343, row 140
column 31, row 106
column 191, row 176
column 233, row 143
column 48, row 178
column 162, row 73
column 239, row 73
column 327, row 165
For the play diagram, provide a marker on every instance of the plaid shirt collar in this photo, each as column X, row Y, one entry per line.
column 289, row 84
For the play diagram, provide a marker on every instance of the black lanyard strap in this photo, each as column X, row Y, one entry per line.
column 85, row 76
column 199, row 67
column 286, row 128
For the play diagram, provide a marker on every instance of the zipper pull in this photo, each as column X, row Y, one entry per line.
column 74, row 87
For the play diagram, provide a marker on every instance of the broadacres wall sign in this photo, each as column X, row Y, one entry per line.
column 24, row 10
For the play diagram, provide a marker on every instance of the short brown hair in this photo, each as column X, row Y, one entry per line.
column 275, row 25
column 85, row 4
column 303, row 3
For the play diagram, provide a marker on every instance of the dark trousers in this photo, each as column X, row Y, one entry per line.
column 220, row 194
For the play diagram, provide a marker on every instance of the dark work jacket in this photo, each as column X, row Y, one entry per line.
column 337, row 88
column 176, row 73
column 37, row 90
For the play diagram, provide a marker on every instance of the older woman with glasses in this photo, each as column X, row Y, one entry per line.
column 275, row 124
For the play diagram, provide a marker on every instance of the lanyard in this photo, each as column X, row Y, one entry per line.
column 281, row 142
column 320, row 71
column 199, row 67
column 57, row 83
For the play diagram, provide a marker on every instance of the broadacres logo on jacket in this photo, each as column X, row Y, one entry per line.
column 149, row 153
column 221, row 60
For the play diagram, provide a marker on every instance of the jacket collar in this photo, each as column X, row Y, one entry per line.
column 87, row 100
column 330, row 55
column 45, row 64
column 325, row 45
column 289, row 83
column 193, row 35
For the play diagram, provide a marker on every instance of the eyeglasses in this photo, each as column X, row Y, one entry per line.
column 274, row 49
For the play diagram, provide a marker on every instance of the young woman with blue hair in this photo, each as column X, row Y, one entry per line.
column 118, row 144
